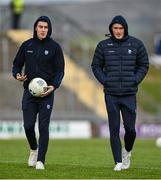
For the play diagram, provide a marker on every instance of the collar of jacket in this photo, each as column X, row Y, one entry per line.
column 41, row 41
column 120, row 40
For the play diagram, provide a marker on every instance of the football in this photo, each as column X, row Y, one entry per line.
column 158, row 142
column 37, row 86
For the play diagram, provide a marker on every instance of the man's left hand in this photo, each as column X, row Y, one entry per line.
column 49, row 90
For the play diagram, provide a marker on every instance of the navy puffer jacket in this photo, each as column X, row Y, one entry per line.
column 120, row 65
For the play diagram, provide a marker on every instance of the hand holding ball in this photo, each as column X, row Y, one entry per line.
column 37, row 86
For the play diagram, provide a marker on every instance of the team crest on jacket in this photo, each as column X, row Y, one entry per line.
column 129, row 51
column 46, row 52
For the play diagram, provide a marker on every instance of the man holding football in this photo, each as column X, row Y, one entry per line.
column 42, row 57
column 120, row 63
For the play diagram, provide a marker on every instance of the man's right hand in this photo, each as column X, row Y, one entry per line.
column 20, row 77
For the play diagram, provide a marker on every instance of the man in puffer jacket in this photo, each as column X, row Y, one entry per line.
column 120, row 63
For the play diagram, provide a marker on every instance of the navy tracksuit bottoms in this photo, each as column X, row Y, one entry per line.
column 41, row 107
column 126, row 105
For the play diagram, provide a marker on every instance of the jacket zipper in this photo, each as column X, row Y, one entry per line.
column 120, row 65
column 37, row 57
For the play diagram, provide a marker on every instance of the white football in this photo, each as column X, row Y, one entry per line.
column 158, row 142
column 37, row 86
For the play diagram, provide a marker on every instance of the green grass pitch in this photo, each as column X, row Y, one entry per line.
column 79, row 159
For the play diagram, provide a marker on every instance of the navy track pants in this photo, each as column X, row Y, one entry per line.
column 41, row 107
column 126, row 105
